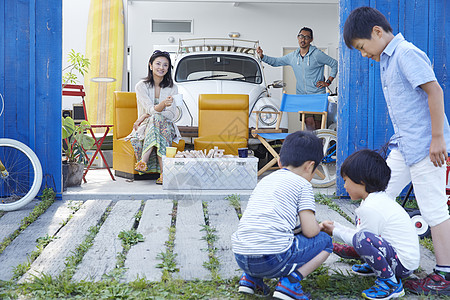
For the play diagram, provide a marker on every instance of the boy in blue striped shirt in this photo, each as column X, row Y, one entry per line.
column 265, row 245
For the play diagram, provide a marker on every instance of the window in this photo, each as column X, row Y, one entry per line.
column 171, row 26
column 218, row 67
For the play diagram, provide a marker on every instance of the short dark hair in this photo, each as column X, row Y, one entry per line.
column 307, row 29
column 369, row 168
column 300, row 147
column 360, row 23
column 167, row 80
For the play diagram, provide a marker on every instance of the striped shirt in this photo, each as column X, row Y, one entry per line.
column 267, row 224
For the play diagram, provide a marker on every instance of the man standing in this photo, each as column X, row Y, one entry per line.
column 308, row 64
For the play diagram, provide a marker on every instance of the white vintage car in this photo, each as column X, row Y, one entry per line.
column 222, row 66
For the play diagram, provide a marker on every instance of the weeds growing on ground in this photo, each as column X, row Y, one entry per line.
column 235, row 201
column 42, row 242
column 210, row 237
column 168, row 263
column 48, row 197
column 323, row 199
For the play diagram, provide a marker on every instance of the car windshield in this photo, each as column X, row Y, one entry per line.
column 218, row 67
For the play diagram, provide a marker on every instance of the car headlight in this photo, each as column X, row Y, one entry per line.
column 179, row 113
column 268, row 119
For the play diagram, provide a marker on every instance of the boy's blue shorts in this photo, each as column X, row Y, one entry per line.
column 303, row 249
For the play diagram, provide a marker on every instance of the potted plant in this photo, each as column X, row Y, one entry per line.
column 77, row 62
column 77, row 143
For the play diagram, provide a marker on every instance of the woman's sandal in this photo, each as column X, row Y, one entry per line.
column 159, row 180
column 140, row 167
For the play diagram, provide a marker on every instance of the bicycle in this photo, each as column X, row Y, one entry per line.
column 422, row 227
column 20, row 172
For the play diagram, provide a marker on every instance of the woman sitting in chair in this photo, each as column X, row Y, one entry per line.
column 154, row 129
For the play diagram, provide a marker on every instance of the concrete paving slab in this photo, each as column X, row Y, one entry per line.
column 18, row 251
column 101, row 258
column 52, row 259
column 154, row 225
column 10, row 222
column 224, row 219
column 190, row 248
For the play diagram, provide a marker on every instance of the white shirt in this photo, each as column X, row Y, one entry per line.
column 383, row 216
column 145, row 97
column 267, row 224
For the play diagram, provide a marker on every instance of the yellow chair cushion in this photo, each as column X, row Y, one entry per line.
column 223, row 114
column 229, row 143
column 223, row 122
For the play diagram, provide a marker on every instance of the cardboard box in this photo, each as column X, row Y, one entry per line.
column 98, row 161
column 210, row 173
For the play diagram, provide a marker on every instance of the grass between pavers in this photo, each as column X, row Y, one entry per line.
column 322, row 283
column 48, row 197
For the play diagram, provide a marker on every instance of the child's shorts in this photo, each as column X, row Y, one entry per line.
column 302, row 250
column 429, row 185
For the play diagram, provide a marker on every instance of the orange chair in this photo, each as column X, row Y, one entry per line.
column 78, row 90
column 125, row 114
column 222, row 122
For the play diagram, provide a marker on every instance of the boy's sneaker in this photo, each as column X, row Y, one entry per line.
column 363, row 270
column 345, row 251
column 433, row 284
column 252, row 285
column 384, row 288
column 289, row 288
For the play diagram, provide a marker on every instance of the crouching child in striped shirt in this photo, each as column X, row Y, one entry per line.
column 265, row 245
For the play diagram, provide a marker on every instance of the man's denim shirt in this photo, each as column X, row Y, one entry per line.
column 403, row 68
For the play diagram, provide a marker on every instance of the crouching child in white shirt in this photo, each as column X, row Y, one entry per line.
column 384, row 237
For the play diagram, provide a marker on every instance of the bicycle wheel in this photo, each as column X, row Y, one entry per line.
column 325, row 174
column 21, row 178
column 422, row 227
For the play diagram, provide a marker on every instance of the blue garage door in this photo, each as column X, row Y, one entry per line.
column 30, row 79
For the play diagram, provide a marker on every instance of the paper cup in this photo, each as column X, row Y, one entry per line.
column 171, row 151
column 178, row 99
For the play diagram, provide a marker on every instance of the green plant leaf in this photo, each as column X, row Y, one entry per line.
column 78, row 141
column 68, row 127
column 77, row 62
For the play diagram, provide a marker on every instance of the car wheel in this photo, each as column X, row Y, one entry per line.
column 325, row 174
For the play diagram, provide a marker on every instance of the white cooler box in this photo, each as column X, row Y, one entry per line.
column 210, row 173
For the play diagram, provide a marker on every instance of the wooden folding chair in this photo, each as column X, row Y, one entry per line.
column 315, row 104
column 78, row 90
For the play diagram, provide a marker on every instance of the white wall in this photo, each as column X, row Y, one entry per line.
column 75, row 19
column 274, row 25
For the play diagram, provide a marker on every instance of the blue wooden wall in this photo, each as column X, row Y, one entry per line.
column 363, row 120
column 30, row 79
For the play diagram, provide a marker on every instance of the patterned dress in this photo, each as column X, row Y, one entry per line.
column 159, row 133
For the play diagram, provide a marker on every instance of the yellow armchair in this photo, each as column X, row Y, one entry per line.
column 222, row 122
column 125, row 113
